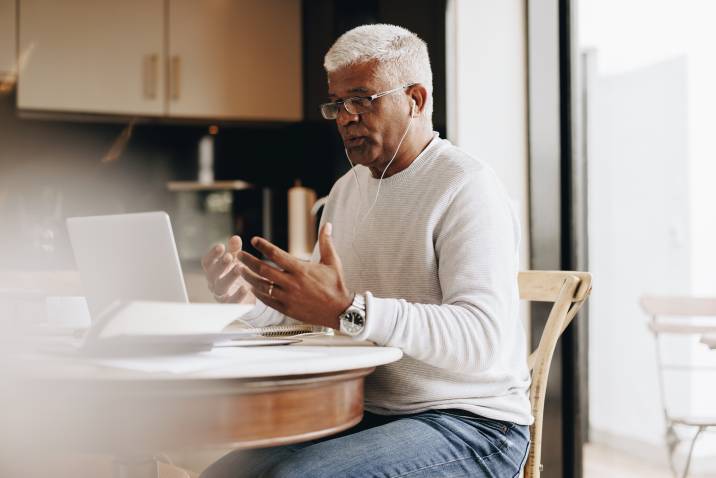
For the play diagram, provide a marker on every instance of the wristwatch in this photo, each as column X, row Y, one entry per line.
column 353, row 319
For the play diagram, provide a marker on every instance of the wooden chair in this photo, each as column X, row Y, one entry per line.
column 567, row 290
column 667, row 317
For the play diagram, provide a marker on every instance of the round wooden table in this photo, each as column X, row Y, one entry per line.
column 250, row 398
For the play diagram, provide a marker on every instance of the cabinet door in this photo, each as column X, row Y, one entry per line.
column 98, row 56
column 238, row 59
column 7, row 37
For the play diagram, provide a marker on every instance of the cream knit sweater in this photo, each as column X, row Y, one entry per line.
column 437, row 259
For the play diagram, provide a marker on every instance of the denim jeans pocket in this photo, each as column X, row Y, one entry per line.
column 494, row 431
column 500, row 426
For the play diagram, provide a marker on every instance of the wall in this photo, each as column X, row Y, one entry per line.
column 7, row 37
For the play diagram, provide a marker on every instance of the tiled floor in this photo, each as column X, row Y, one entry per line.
column 602, row 462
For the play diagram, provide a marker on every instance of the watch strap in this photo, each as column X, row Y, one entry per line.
column 359, row 302
column 348, row 324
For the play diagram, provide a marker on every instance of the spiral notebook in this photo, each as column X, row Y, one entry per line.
column 292, row 330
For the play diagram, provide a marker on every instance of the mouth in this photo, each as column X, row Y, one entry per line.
column 354, row 141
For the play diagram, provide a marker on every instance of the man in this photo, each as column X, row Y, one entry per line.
column 417, row 249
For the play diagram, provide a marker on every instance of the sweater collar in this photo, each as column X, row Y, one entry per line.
column 425, row 155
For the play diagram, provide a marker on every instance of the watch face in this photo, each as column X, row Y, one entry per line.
column 355, row 318
column 352, row 322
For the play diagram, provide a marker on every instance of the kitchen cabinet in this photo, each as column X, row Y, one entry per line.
column 213, row 59
column 92, row 56
column 235, row 59
column 7, row 37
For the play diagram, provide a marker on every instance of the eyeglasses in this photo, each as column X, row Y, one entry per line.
column 356, row 105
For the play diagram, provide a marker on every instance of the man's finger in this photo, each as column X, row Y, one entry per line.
column 235, row 245
column 220, row 267
column 329, row 256
column 224, row 284
column 240, row 294
column 258, row 284
column 210, row 257
column 271, row 302
column 262, row 269
column 261, row 288
column 277, row 295
column 275, row 254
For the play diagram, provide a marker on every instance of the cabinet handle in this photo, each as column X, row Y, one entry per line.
column 145, row 77
column 150, row 76
column 175, row 77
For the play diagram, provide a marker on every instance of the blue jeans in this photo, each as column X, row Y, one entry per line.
column 436, row 443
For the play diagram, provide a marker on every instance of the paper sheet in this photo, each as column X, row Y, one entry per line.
column 170, row 318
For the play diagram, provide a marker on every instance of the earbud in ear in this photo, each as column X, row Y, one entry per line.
column 414, row 109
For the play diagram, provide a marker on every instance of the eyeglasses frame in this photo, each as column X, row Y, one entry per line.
column 371, row 98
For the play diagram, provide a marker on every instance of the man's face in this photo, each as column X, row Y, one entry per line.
column 370, row 138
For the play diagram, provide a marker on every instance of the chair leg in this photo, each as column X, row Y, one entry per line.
column 691, row 451
column 672, row 442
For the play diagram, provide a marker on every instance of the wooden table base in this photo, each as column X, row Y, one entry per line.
column 134, row 417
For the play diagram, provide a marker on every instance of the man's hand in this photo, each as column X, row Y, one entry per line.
column 310, row 292
column 223, row 274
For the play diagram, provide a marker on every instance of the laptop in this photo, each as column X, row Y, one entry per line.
column 135, row 292
column 126, row 257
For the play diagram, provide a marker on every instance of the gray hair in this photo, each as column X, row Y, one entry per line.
column 401, row 54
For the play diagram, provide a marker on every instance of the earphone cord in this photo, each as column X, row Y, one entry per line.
column 380, row 181
column 377, row 193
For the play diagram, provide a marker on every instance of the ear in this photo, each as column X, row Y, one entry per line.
column 419, row 96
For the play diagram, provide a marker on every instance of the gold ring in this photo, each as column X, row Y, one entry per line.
column 270, row 290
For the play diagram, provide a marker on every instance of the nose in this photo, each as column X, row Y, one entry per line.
column 345, row 118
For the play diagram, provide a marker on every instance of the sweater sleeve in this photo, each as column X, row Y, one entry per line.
column 261, row 315
column 476, row 245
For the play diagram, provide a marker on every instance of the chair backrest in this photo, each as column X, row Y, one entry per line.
column 567, row 290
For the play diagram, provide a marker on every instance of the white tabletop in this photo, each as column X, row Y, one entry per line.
column 309, row 357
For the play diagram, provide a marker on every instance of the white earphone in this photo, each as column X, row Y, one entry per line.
column 359, row 222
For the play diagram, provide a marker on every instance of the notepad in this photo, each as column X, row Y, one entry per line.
column 139, row 327
column 165, row 318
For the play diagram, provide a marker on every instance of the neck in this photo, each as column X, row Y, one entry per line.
column 412, row 146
